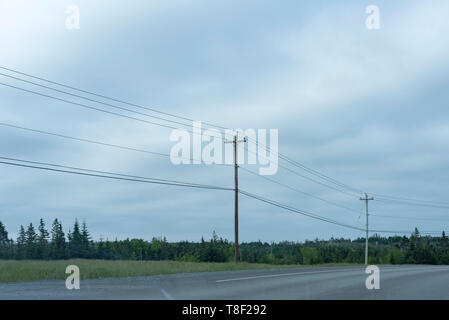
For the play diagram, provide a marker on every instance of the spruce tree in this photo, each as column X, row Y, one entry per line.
column 75, row 242
column 3, row 235
column 58, row 244
column 4, row 242
column 85, row 241
column 31, row 241
column 444, row 243
column 42, row 241
column 21, row 243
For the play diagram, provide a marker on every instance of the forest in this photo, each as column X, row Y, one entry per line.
column 53, row 244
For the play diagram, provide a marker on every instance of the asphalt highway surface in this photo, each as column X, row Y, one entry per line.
column 396, row 282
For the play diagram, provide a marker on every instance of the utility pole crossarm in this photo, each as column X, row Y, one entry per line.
column 366, row 199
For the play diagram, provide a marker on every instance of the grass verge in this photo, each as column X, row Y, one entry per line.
column 33, row 270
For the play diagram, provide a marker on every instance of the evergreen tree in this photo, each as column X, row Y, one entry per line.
column 31, row 242
column 444, row 242
column 58, row 243
column 3, row 235
column 21, row 244
column 4, row 242
column 415, row 249
column 42, row 241
column 76, row 242
column 85, row 241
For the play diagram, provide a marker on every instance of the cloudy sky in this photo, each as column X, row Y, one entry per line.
column 366, row 107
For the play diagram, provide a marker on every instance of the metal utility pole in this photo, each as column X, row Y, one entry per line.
column 366, row 199
column 236, row 141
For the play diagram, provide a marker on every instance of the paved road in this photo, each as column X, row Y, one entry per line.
column 396, row 282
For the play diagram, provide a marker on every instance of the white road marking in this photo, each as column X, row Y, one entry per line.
column 167, row 295
column 283, row 274
column 327, row 271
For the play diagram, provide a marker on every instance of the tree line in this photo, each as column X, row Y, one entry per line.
column 54, row 244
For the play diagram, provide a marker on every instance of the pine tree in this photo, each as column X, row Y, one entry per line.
column 443, row 252
column 3, row 235
column 21, row 244
column 31, row 241
column 4, row 242
column 75, row 242
column 444, row 241
column 42, row 240
column 58, row 244
column 85, row 241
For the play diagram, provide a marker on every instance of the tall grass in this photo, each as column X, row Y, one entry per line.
column 32, row 270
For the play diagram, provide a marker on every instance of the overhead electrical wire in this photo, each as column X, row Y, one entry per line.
column 281, row 156
column 311, row 171
column 99, row 142
column 408, row 218
column 86, row 106
column 318, row 217
column 117, row 176
column 292, row 162
column 104, row 174
column 410, row 199
column 106, row 97
column 95, row 101
column 162, row 125
column 302, row 212
column 408, row 203
column 335, row 188
column 299, row 191
column 167, row 155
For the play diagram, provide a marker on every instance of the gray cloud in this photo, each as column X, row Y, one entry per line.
column 366, row 107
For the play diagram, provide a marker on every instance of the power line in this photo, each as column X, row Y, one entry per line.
column 408, row 218
column 162, row 125
column 407, row 203
column 299, row 191
column 323, row 176
column 97, row 142
column 105, row 174
column 285, row 158
column 302, row 212
column 124, row 177
column 321, row 218
column 96, row 101
column 309, row 170
column 103, row 110
column 106, row 97
column 410, row 199
column 167, row 155
column 84, row 105
column 281, row 156
column 313, row 180
column 171, row 127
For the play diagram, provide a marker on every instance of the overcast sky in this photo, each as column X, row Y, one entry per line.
column 366, row 107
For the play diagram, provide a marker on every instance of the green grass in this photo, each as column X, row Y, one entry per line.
column 33, row 270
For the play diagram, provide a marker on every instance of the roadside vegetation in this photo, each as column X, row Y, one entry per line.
column 33, row 270
column 39, row 253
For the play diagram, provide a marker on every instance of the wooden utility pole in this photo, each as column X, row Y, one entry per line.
column 366, row 199
column 236, row 141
